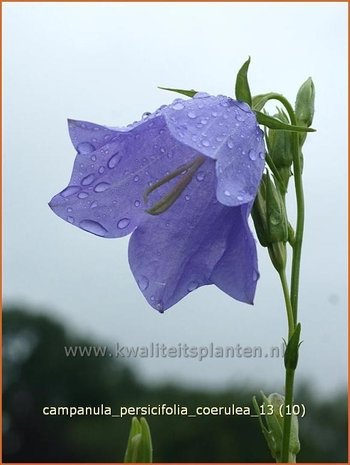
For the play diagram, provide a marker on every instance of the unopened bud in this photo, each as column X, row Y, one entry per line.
column 281, row 146
column 277, row 223
column 139, row 447
column 305, row 103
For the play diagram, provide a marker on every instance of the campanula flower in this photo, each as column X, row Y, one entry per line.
column 182, row 181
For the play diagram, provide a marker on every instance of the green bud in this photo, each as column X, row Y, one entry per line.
column 259, row 213
column 305, row 104
column 139, row 447
column 272, row 426
column 275, row 425
column 278, row 255
column 305, row 107
column 277, row 223
column 281, row 145
column 292, row 351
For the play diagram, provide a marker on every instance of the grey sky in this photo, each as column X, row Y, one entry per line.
column 102, row 62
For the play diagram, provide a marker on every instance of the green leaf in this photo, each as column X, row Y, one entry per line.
column 188, row 93
column 146, row 442
column 274, row 123
column 242, row 89
column 258, row 101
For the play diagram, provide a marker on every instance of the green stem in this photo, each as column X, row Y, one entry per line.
column 294, row 293
column 289, row 308
column 292, row 302
column 289, row 383
column 287, row 420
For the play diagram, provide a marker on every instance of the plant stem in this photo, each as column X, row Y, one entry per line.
column 287, row 421
column 292, row 300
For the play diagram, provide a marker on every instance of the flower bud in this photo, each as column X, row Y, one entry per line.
column 139, row 447
column 281, row 145
column 273, row 408
column 259, row 213
column 277, row 223
column 305, row 103
column 275, row 424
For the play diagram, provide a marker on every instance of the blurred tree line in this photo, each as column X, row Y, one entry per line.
column 36, row 373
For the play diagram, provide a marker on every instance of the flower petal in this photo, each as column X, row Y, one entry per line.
column 227, row 131
column 191, row 244
column 112, row 171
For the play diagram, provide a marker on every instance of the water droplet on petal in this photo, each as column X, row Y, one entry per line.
column 93, row 158
column 178, row 106
column 192, row 286
column 102, row 186
column 114, row 160
column 70, row 190
column 93, row 227
column 136, row 178
column 145, row 114
column 214, row 114
column 205, row 142
column 87, row 180
column 83, row 195
column 101, row 169
column 200, row 176
column 240, row 198
column 123, row 223
column 137, row 203
column 143, row 283
column 230, row 144
column 191, row 114
column 252, row 155
column 160, row 306
column 204, row 121
column 85, row 147
column 255, row 275
column 262, row 155
column 69, row 209
column 93, row 204
column 227, row 193
column 70, row 219
column 187, row 197
column 241, row 116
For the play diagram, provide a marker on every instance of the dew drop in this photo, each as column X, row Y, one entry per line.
column 187, row 197
column 93, row 227
column 145, row 115
column 227, row 193
column 200, row 176
column 70, row 190
column 114, row 160
column 240, row 198
column 191, row 114
column 123, row 223
column 214, row 114
column 69, row 209
column 255, row 275
column 85, row 147
column 102, row 186
column 83, row 195
column 87, row 180
column 160, row 306
column 252, row 155
column 93, row 204
column 178, row 106
column 143, row 283
column 192, row 286
column 262, row 155
column 70, row 219
column 230, row 144
column 241, row 116
column 136, row 178
column 204, row 121
column 137, row 203
column 93, row 158
column 101, row 169
column 275, row 218
column 205, row 142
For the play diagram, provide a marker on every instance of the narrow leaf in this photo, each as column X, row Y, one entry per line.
column 274, row 123
column 188, row 93
column 242, row 89
column 258, row 101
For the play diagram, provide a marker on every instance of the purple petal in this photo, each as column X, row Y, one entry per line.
column 190, row 245
column 227, row 131
column 105, row 193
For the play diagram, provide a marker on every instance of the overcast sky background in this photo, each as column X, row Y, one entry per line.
column 102, row 62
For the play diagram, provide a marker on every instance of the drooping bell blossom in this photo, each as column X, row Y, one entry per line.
column 182, row 182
